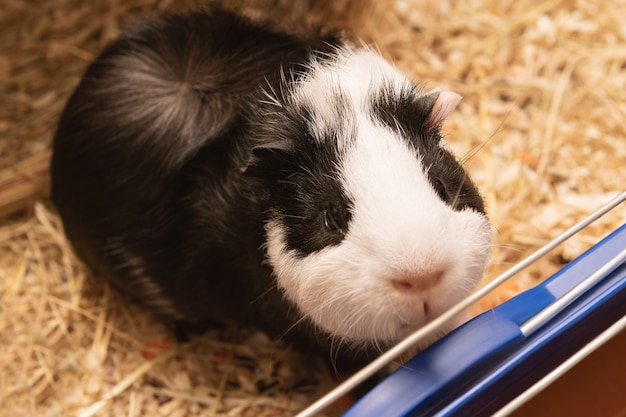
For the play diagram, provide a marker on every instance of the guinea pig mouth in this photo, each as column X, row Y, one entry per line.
column 420, row 313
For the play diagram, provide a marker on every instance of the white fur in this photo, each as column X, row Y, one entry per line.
column 348, row 74
column 399, row 227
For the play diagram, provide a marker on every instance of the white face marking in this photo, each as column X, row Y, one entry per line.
column 407, row 255
column 354, row 74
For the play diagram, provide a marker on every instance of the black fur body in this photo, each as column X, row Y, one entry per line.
column 187, row 85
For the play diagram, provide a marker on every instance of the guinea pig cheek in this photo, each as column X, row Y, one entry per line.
column 332, row 289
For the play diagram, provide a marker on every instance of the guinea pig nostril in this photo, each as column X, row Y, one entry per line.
column 414, row 282
column 402, row 286
column 437, row 276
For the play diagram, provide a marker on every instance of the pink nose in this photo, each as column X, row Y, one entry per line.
column 417, row 281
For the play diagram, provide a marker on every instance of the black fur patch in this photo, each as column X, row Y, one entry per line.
column 310, row 186
column 407, row 113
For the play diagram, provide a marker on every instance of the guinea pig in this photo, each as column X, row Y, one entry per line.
column 219, row 169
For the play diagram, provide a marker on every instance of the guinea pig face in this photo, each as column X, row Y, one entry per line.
column 378, row 229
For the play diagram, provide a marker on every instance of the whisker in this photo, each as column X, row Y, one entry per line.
column 508, row 246
column 264, row 293
column 457, row 195
column 293, row 216
column 472, row 152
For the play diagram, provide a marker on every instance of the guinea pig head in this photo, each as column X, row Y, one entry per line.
column 374, row 227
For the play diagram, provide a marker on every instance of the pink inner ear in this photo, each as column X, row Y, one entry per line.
column 445, row 104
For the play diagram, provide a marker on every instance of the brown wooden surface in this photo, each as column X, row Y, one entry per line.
column 596, row 387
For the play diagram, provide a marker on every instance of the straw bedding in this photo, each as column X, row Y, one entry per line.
column 541, row 127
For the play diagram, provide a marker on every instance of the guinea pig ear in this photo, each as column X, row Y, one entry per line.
column 442, row 103
column 268, row 160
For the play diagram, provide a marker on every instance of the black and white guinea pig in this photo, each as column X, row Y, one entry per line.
column 215, row 168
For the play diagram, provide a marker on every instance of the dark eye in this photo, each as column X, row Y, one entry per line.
column 440, row 187
column 334, row 219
